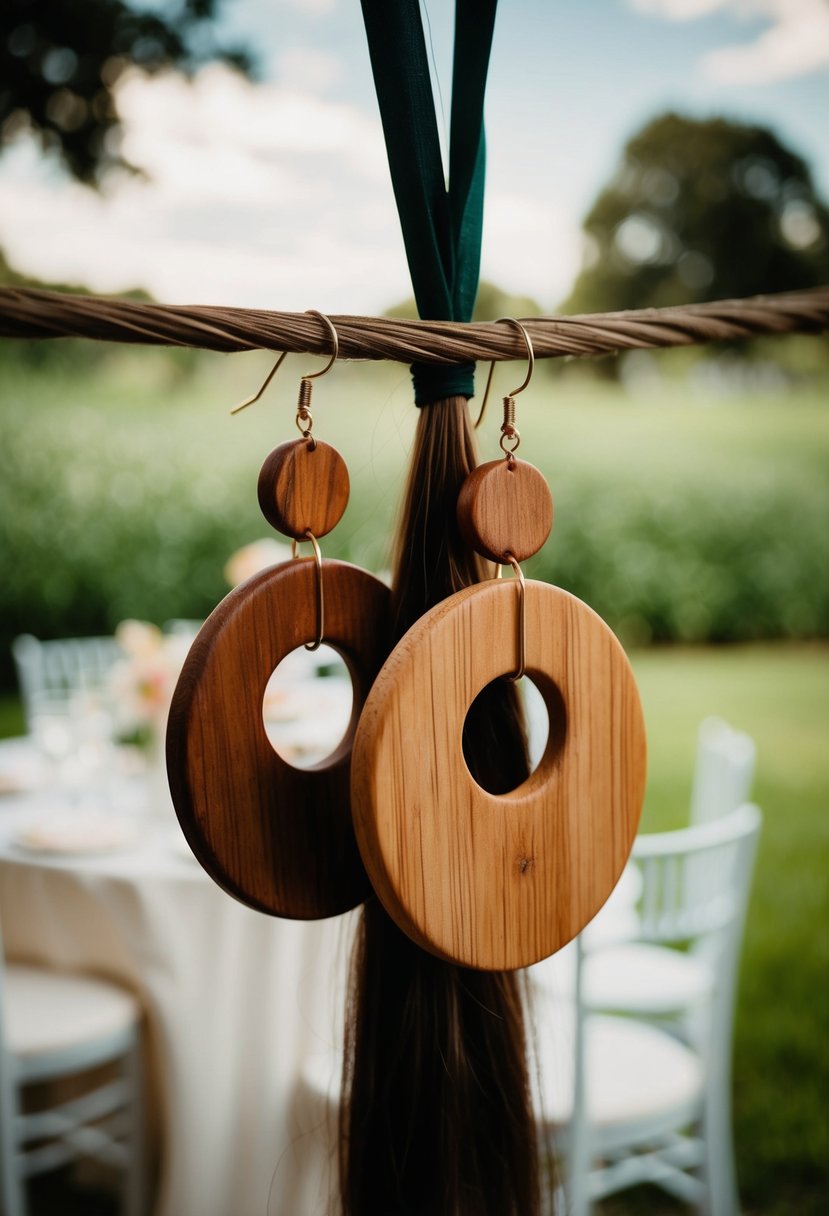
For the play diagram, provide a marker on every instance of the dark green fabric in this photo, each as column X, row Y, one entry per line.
column 435, row 381
column 441, row 228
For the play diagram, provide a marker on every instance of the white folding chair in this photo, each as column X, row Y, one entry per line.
column 60, row 667
column 641, row 1098
column 55, row 1025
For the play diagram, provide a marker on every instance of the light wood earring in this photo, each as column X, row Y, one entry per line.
column 499, row 881
column 278, row 838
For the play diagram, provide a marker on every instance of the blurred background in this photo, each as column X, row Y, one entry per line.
column 641, row 152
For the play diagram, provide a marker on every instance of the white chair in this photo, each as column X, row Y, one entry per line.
column 60, row 667
column 55, row 1025
column 630, row 1100
column 637, row 976
column 724, row 770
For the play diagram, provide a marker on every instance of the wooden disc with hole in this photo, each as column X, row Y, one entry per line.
column 276, row 837
column 498, row 881
column 505, row 506
column 303, row 487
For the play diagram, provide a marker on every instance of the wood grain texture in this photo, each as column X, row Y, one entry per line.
column 276, row 837
column 498, row 881
column 303, row 487
column 505, row 507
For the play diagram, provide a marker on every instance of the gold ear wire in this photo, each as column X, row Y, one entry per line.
column 250, row 400
column 522, row 614
column 304, row 418
column 482, row 410
column 335, row 345
column 530, row 368
column 522, row 620
column 315, row 645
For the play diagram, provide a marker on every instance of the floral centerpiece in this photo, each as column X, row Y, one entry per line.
column 142, row 682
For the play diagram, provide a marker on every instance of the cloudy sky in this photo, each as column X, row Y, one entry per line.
column 277, row 195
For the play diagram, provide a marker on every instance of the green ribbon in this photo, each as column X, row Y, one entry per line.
column 441, row 227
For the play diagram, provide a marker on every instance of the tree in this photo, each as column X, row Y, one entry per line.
column 702, row 210
column 60, row 63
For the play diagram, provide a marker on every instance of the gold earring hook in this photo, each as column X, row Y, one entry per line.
column 530, row 367
column 335, row 345
column 522, row 614
column 250, row 400
column 304, row 418
column 522, row 619
column 315, row 645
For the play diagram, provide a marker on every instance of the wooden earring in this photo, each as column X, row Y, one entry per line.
column 491, row 881
column 278, row 838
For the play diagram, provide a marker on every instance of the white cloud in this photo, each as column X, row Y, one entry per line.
column 303, row 67
column 221, row 111
column 316, row 8
column 679, row 10
column 256, row 195
column 530, row 247
column 795, row 42
column 134, row 240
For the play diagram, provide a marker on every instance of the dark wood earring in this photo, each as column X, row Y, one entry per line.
column 278, row 838
column 499, row 881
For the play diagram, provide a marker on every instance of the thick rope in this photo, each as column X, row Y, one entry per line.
column 29, row 313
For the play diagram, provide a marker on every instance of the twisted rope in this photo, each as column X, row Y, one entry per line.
column 30, row 313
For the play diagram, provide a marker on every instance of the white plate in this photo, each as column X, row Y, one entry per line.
column 71, row 832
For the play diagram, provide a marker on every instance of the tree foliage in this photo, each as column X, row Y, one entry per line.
column 702, row 210
column 60, row 63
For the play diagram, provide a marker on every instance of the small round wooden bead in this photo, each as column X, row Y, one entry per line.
column 303, row 487
column 505, row 508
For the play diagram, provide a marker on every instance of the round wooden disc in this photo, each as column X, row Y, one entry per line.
column 303, row 487
column 498, row 881
column 276, row 837
column 505, row 507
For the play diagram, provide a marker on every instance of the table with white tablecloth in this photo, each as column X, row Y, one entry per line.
column 236, row 1002
column 241, row 1008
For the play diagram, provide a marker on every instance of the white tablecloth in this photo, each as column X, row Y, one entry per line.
column 236, row 1004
